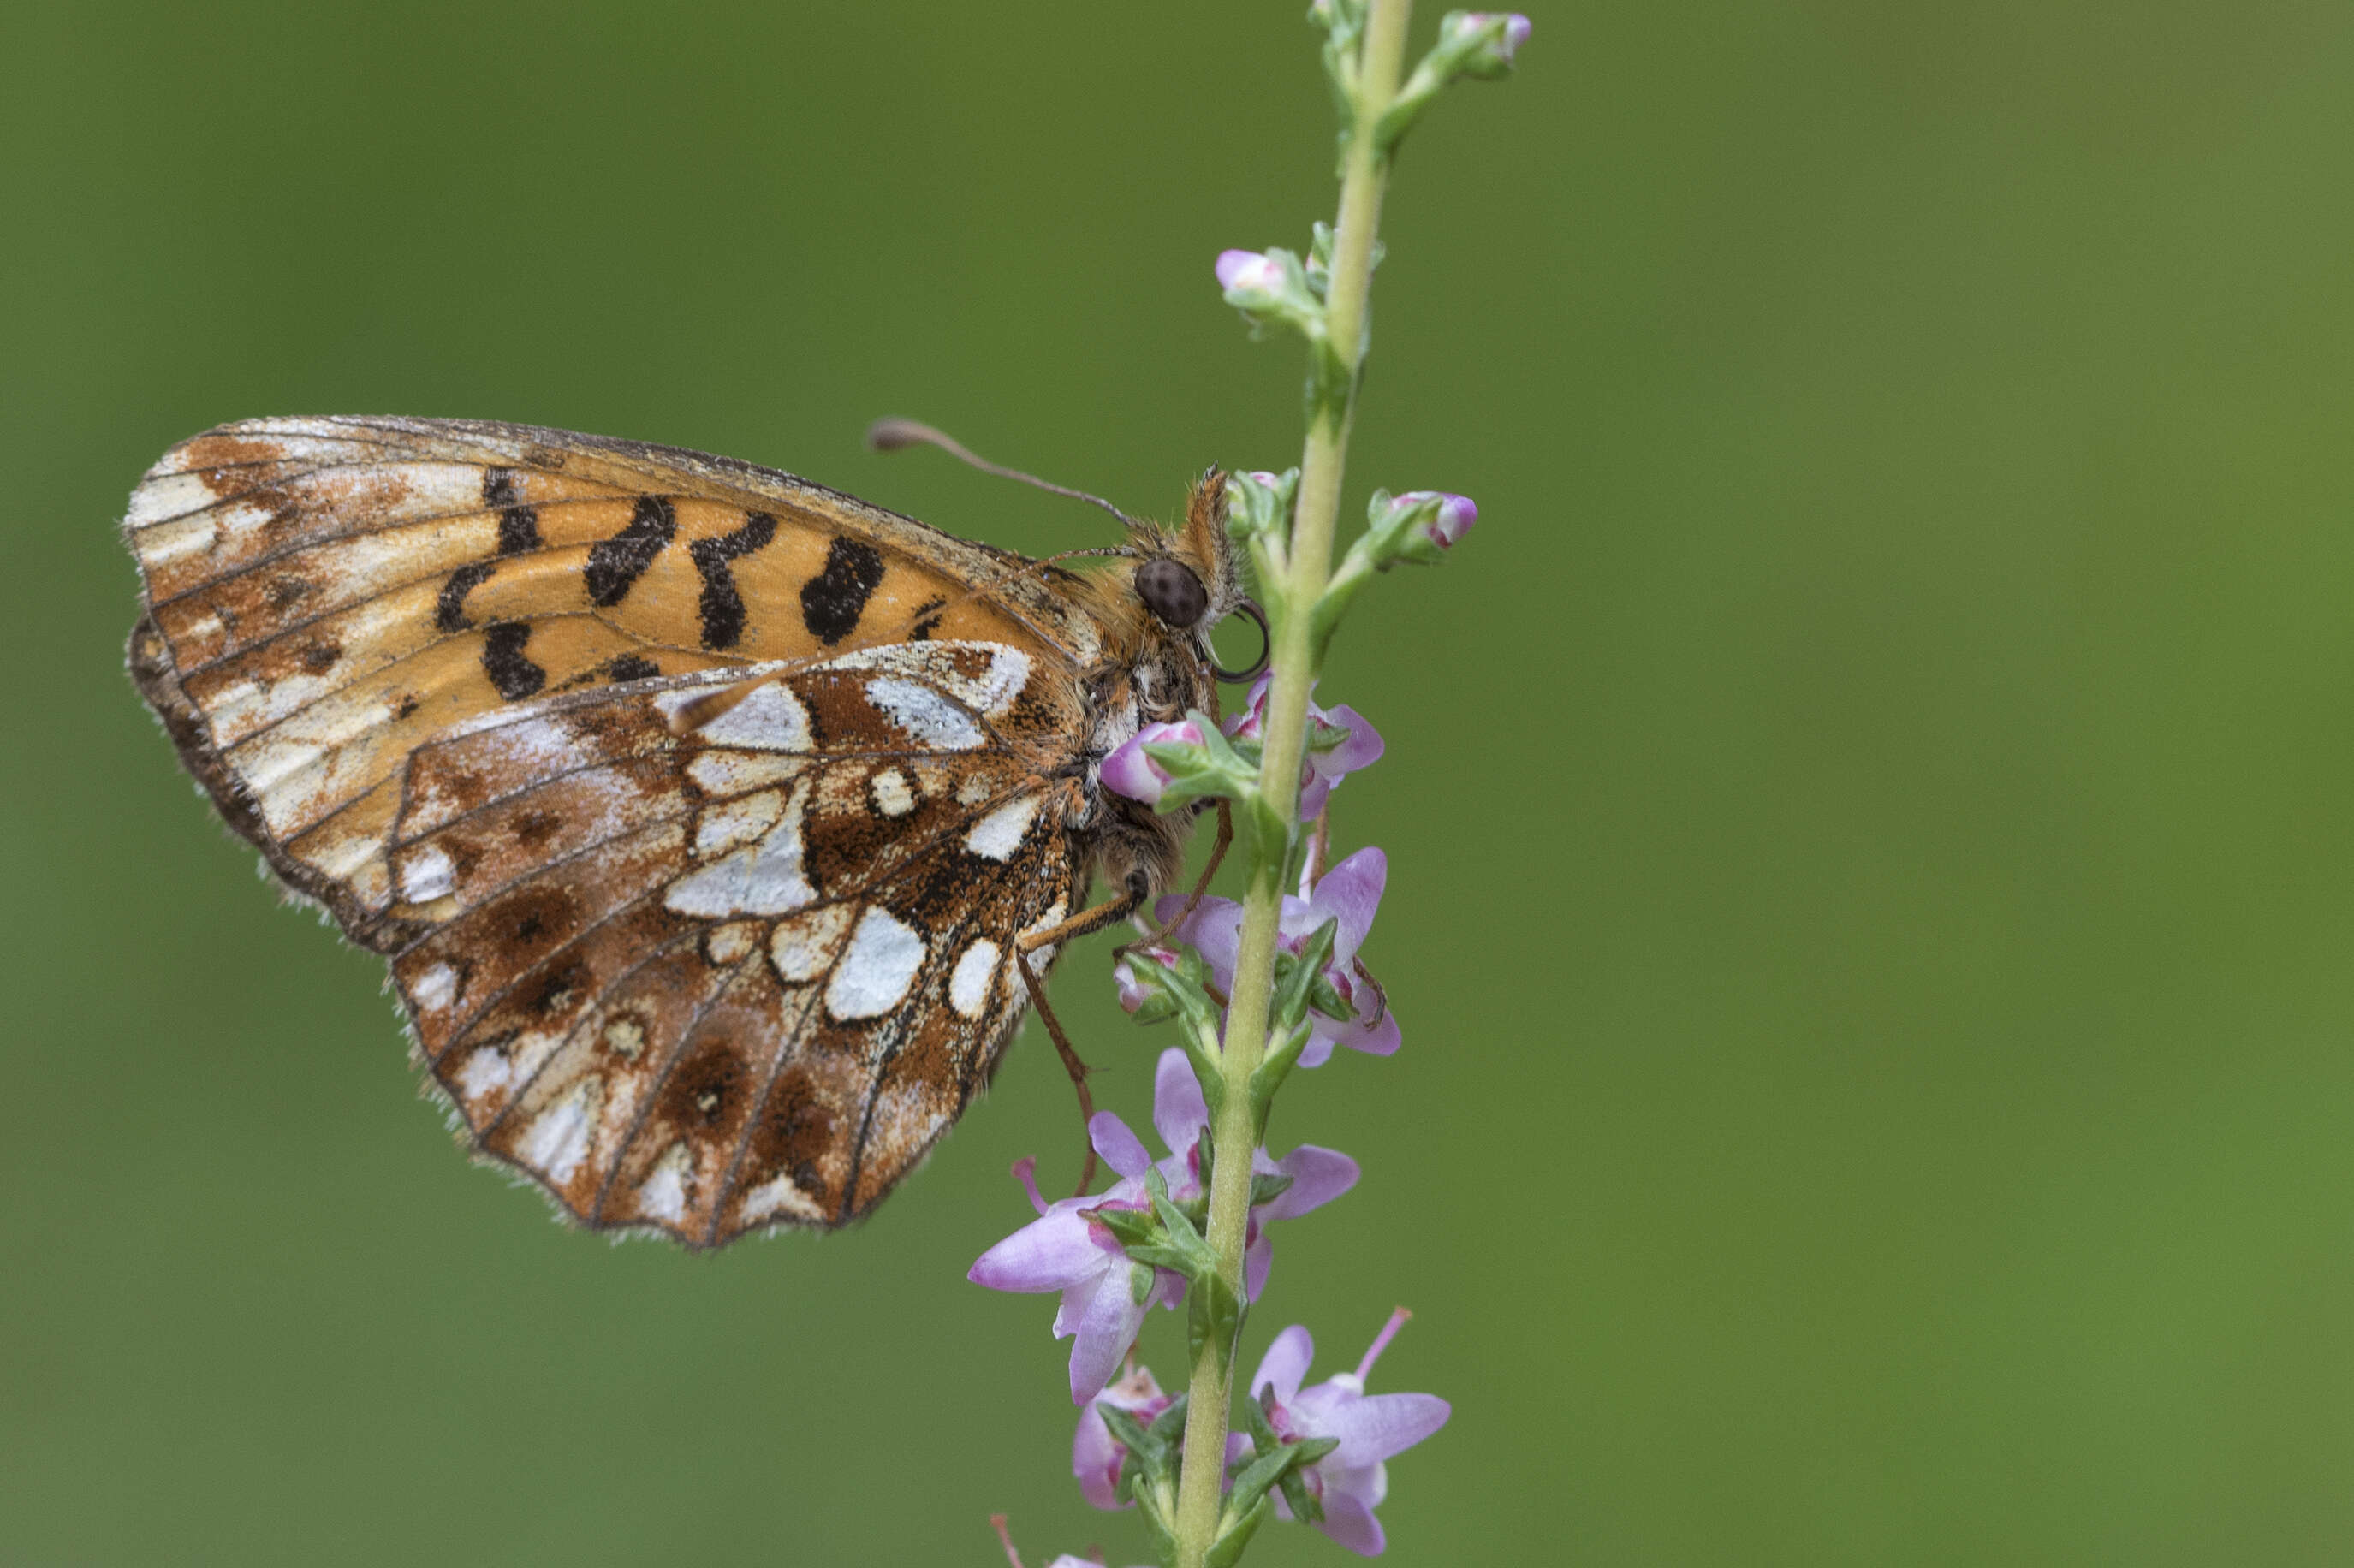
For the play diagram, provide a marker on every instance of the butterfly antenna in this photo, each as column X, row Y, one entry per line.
column 890, row 435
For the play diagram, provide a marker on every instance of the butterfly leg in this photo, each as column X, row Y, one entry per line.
column 1085, row 921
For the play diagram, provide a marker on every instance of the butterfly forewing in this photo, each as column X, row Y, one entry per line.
column 325, row 595
column 699, row 808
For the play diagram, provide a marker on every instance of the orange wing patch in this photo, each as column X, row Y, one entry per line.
column 325, row 595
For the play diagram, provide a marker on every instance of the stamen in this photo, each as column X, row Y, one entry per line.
column 1026, row 1171
column 1381, row 1342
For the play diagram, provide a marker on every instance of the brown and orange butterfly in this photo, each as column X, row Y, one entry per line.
column 716, row 825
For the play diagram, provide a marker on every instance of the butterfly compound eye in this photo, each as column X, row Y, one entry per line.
column 1170, row 591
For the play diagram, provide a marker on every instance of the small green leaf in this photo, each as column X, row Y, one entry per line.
column 1258, row 1476
column 1196, row 1261
column 1209, row 769
column 1151, row 1453
column 1267, row 1189
column 1269, row 1075
column 1128, row 1226
column 1214, row 1317
column 1324, row 999
column 1202, row 1018
column 1297, row 979
column 1227, row 1549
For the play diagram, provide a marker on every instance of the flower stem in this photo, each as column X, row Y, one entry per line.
column 1309, row 561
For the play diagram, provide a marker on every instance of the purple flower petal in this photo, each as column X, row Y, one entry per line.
column 1048, row 1254
column 1247, row 723
column 1361, row 749
column 1315, row 790
column 1352, row 1524
column 1351, row 892
column 1107, row 1326
column 1259, row 1258
column 1380, row 1039
column 1121, row 1149
column 1372, row 1427
column 1216, row 931
column 1318, row 1176
column 1179, row 1112
column 1242, row 268
column 1285, row 1363
column 1095, row 1459
column 1319, row 1049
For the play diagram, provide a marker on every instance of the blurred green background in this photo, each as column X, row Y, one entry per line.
column 1867, row 809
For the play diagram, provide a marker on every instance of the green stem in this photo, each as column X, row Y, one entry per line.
column 1200, row 1485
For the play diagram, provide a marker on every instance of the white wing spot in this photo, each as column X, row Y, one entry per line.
column 997, row 835
column 732, row 823
column 764, row 878
column 168, row 496
column 558, row 1139
column 627, row 1037
column 428, row 875
column 730, row 942
column 735, row 772
column 969, row 986
column 893, row 798
column 486, row 1071
column 923, row 713
column 872, row 978
column 781, row 1193
column 436, row 988
column 664, row 1193
column 166, row 543
column 770, row 719
column 1040, row 956
column 804, row 945
column 1009, row 672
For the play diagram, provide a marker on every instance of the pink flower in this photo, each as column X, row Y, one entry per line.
column 1517, row 28
column 1456, row 514
column 1349, row 1482
column 1065, row 1249
column 1133, row 992
column 1180, row 1115
column 1129, row 771
column 1096, row 1457
column 1248, row 272
column 1321, row 771
column 1350, row 893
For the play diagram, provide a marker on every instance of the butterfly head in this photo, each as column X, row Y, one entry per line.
column 1189, row 579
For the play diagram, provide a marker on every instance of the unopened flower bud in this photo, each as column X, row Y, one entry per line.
column 1134, row 993
column 1248, row 272
column 1129, row 771
column 1454, row 519
column 1493, row 37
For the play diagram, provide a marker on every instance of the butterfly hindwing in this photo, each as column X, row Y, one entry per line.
column 746, row 975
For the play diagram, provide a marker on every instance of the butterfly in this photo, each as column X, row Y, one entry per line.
column 717, row 827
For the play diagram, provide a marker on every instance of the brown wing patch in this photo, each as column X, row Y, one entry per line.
column 747, row 976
